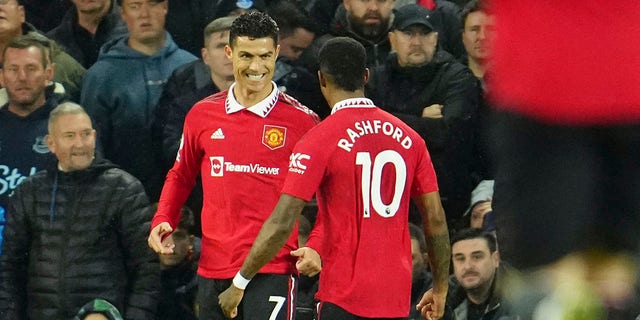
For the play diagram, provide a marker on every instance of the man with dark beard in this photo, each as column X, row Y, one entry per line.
column 368, row 22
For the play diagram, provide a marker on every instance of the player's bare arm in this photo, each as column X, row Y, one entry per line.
column 439, row 249
column 273, row 235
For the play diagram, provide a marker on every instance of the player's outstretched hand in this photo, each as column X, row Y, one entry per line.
column 229, row 301
column 431, row 306
column 309, row 262
column 155, row 239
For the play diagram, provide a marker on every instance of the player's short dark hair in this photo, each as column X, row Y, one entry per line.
column 255, row 25
column 187, row 221
column 416, row 233
column 475, row 233
column 343, row 60
column 470, row 7
column 290, row 16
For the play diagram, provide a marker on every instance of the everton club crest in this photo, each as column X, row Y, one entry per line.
column 273, row 136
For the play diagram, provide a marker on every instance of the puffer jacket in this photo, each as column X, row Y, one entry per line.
column 88, row 243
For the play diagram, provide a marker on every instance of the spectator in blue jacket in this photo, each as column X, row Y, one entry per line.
column 121, row 90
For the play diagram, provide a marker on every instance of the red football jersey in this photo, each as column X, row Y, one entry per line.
column 242, row 156
column 567, row 62
column 364, row 165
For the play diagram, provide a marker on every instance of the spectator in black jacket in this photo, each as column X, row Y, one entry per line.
column 445, row 17
column 435, row 95
column 477, row 35
column 86, row 26
column 76, row 232
column 476, row 289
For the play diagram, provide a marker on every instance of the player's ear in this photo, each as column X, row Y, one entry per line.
column 227, row 51
column 322, row 79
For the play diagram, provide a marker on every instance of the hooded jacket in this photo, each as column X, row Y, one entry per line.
column 405, row 92
column 120, row 92
column 72, row 237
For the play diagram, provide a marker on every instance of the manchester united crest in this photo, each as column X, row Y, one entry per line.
column 273, row 136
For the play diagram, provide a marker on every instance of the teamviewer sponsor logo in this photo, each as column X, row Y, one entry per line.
column 296, row 162
column 217, row 164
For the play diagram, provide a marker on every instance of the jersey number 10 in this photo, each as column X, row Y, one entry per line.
column 372, row 182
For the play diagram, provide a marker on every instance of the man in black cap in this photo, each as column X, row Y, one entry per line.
column 436, row 96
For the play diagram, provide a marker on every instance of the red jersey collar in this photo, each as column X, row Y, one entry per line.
column 261, row 108
column 352, row 103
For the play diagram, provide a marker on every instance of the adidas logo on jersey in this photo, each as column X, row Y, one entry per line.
column 217, row 135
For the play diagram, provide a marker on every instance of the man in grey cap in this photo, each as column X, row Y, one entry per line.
column 436, row 96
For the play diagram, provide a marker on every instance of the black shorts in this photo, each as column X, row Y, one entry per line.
column 563, row 189
column 267, row 297
column 330, row 311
